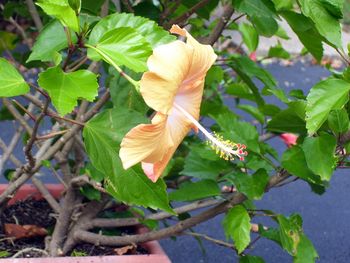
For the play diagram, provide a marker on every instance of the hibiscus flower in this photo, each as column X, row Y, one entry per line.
column 173, row 87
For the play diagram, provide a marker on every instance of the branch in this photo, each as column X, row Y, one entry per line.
column 8, row 150
column 29, row 146
column 63, row 222
column 89, row 212
column 186, row 15
column 215, row 241
column 168, row 11
column 17, row 115
column 217, row 31
column 222, row 207
column 128, row 6
column 34, row 13
column 105, row 222
column 162, row 233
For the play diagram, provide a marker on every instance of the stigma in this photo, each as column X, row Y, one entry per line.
column 226, row 149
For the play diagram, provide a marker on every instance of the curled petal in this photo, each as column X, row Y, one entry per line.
column 202, row 57
column 178, row 127
column 146, row 142
column 168, row 66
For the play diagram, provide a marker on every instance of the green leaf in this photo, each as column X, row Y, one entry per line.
column 154, row 34
column 193, row 191
column 290, row 119
column 334, row 7
column 306, row 32
column 102, row 137
column 147, row 10
column 61, row 10
column 247, row 69
column 237, row 227
column 214, row 76
column 90, row 193
column 238, row 131
column 327, row 95
column 124, row 94
column 203, row 163
column 253, row 186
column 95, row 174
column 75, row 5
column 11, row 82
column 92, row 6
column 242, row 90
column 4, row 254
column 250, row 36
column 290, row 231
column 327, row 25
column 255, row 161
column 50, row 40
column 283, row 4
column 7, row 41
column 260, row 14
column 272, row 234
column 338, row 121
column 319, row 155
column 252, row 111
column 306, row 253
column 251, row 259
column 124, row 46
column 293, row 160
column 278, row 52
column 66, row 88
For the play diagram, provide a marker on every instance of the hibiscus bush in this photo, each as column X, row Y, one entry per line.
column 140, row 102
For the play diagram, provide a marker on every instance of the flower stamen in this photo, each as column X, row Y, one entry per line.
column 226, row 149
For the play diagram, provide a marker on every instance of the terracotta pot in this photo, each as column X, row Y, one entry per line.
column 157, row 254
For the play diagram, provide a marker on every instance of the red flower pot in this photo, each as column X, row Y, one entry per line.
column 157, row 254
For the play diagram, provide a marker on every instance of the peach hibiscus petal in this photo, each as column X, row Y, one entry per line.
column 202, row 58
column 178, row 127
column 146, row 142
column 168, row 66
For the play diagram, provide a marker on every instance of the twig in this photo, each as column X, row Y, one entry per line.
column 32, row 139
column 128, row 6
column 30, row 115
column 168, row 11
column 105, row 8
column 34, row 13
column 187, row 14
column 216, row 241
column 224, row 19
column 343, row 56
column 17, row 115
column 22, row 176
column 8, row 151
column 51, row 135
column 77, row 65
column 105, row 222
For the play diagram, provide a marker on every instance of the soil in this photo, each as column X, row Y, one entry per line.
column 39, row 213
